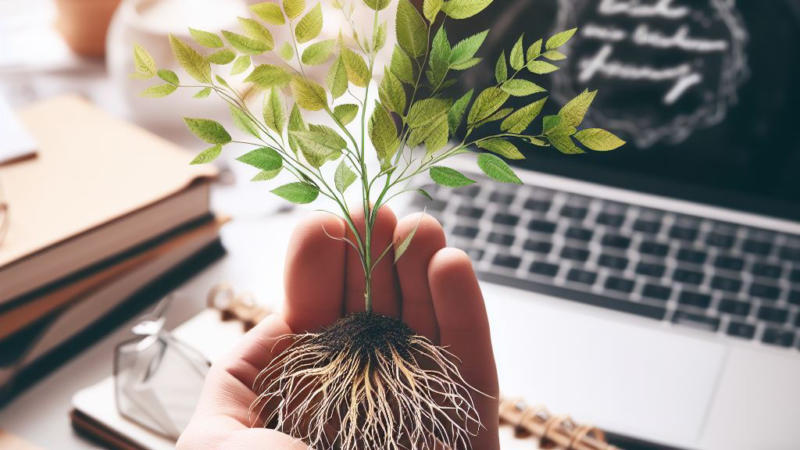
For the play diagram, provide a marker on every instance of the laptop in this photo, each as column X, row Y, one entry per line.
column 653, row 291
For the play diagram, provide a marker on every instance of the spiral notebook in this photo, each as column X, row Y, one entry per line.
column 217, row 329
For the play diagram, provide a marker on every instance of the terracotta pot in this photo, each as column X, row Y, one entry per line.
column 84, row 24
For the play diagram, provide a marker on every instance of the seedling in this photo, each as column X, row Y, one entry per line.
column 360, row 383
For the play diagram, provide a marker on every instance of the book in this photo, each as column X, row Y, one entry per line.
column 98, row 186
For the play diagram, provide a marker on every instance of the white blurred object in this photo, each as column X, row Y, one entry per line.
column 28, row 40
column 17, row 142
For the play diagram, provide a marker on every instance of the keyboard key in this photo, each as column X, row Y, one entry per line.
column 683, row 233
column 774, row 315
column 698, row 321
column 501, row 239
column 691, row 256
column 431, row 205
column 542, row 226
column 508, row 261
column 794, row 297
column 543, row 268
column 734, row 307
column 469, row 211
column 574, row 212
column 790, row 253
column 729, row 263
column 506, row 219
column 720, row 240
column 695, row 299
column 757, row 247
column 504, row 198
column 475, row 254
column 688, row 276
column 653, row 248
column 726, row 284
column 582, row 276
column 795, row 276
column 580, row 234
column 616, row 241
column 538, row 246
column 767, row 270
column 765, row 291
column 781, row 338
column 465, row 231
column 646, row 226
column 612, row 220
column 620, row 284
column 656, row 292
column 653, row 270
column 538, row 205
column 576, row 254
column 741, row 330
column 614, row 262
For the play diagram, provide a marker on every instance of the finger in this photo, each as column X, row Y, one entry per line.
column 464, row 329
column 314, row 273
column 412, row 272
column 384, row 279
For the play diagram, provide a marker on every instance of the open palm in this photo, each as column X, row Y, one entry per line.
column 432, row 288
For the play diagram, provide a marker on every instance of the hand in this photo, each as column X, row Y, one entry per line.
column 432, row 288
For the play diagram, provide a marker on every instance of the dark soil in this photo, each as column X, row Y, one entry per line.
column 366, row 335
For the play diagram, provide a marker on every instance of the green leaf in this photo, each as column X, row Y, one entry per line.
column 318, row 52
column 269, row 12
column 598, row 139
column 337, row 78
column 554, row 55
column 517, row 57
column 308, row 94
column 456, row 113
column 439, row 58
column 222, row 81
column 357, row 70
column 501, row 147
column 437, row 137
column 343, row 177
column 534, row 50
column 431, row 8
column 549, row 123
column 298, row 192
column 257, row 31
column 320, row 145
column 462, row 9
column 383, row 134
column 296, row 123
column 206, row 39
column 500, row 114
column 501, row 69
column 345, row 113
column 266, row 175
column 521, row 88
column 520, row 119
column 541, row 67
column 489, row 101
column 379, row 38
column 573, row 112
column 310, row 25
column 466, row 64
column 143, row 63
column 427, row 110
column 400, row 250
column 159, row 90
column 169, row 76
column 564, row 144
column 497, row 169
column 286, row 51
column 427, row 132
column 243, row 122
column 192, row 62
column 208, row 130
column 377, row 5
column 466, row 49
column 559, row 39
column 263, row 158
column 294, row 8
column 425, row 194
column 273, row 111
column 445, row 176
column 241, row 64
column 208, row 155
column 412, row 33
column 244, row 44
column 203, row 93
column 401, row 66
column 392, row 94
column 222, row 57
column 267, row 76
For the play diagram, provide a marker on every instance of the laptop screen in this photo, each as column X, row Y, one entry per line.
column 706, row 92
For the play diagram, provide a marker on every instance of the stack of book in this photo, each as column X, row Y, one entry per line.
column 103, row 220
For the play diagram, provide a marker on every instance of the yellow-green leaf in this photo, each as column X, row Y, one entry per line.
column 206, row 39
column 462, row 9
column 298, row 192
column 159, row 90
column 534, row 50
column 541, row 67
column 487, row 102
column 318, row 52
column 598, row 139
column 501, row 147
column 497, row 169
column 267, row 76
column 257, row 31
column 559, row 39
column 357, row 70
column 447, row 177
column 241, row 64
column 431, row 8
column 222, row 57
column 269, row 12
column 401, row 66
column 392, row 94
column 464, row 51
column 554, row 55
column 564, row 144
column 310, row 25
column 456, row 113
column 169, row 76
column 518, row 121
column 208, row 155
column 412, row 33
column 296, row 123
column 273, row 111
column 243, row 122
column 203, row 93
column 337, row 78
column 266, row 175
column 424, row 111
column 383, row 133
column 244, row 44
column 263, row 158
column 379, row 38
column 192, row 62
column 293, row 8
column 320, row 144
column 143, row 63
column 573, row 112
column 308, row 94
column 377, row 5
column 345, row 113
column 521, row 88
column 517, row 56
column 208, row 130
column 286, row 52
column 343, row 177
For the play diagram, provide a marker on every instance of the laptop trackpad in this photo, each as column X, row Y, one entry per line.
column 627, row 377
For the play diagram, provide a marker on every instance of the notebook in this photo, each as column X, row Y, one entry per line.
column 17, row 142
column 98, row 186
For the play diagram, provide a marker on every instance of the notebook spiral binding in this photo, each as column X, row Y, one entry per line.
column 553, row 432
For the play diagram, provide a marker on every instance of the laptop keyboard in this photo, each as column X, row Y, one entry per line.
column 740, row 281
